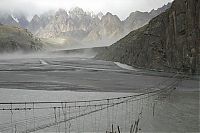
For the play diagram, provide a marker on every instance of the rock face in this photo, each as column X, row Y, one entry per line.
column 35, row 24
column 153, row 13
column 171, row 41
column 83, row 27
column 15, row 39
column 7, row 19
column 72, row 23
column 39, row 22
column 14, row 19
column 21, row 19
column 88, row 28
column 138, row 19
column 110, row 26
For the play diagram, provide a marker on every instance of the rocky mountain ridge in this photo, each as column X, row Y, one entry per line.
column 110, row 26
column 169, row 42
column 81, row 26
column 138, row 19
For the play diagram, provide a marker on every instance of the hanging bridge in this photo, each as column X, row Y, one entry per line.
column 115, row 114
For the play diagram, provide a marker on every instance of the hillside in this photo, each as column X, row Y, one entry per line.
column 15, row 39
column 138, row 19
column 169, row 42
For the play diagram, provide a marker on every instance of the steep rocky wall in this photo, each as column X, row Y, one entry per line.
column 169, row 42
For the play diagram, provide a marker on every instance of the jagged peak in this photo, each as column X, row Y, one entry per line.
column 36, row 17
column 165, row 6
column 110, row 16
column 77, row 11
column 100, row 15
column 137, row 13
column 61, row 11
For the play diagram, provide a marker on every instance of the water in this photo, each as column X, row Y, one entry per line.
column 67, row 73
column 63, row 78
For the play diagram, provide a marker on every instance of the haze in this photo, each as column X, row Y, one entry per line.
column 122, row 8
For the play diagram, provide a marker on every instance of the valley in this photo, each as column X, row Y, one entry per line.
column 75, row 70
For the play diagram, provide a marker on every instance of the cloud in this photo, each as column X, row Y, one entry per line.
column 122, row 8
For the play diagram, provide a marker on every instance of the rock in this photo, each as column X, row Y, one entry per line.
column 17, row 39
column 170, row 41
column 89, row 28
column 35, row 24
column 21, row 19
column 110, row 26
column 138, row 19
column 7, row 19
column 64, row 23
column 84, row 27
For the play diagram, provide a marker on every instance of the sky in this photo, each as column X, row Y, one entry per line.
column 122, row 8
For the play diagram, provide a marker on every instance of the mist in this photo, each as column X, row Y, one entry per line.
column 68, row 54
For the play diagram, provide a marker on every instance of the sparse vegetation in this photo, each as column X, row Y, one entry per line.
column 14, row 38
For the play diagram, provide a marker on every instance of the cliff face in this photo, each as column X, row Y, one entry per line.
column 65, row 23
column 171, row 41
column 109, row 27
column 138, row 19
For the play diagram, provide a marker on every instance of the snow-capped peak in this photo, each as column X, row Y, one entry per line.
column 15, row 18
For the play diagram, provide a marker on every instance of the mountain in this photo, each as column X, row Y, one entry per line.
column 169, row 42
column 15, row 39
column 39, row 22
column 100, row 15
column 153, row 13
column 87, row 26
column 35, row 24
column 80, row 26
column 71, row 23
column 14, row 19
column 7, row 19
column 138, row 19
column 110, row 26
column 20, row 18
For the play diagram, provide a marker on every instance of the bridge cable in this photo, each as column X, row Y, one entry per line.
column 112, row 113
column 59, row 120
column 79, row 119
column 55, row 116
column 26, row 109
column 126, row 116
column 108, row 115
column 84, row 118
column 11, row 118
column 33, row 115
column 69, row 121
column 95, row 121
column 26, row 117
column 99, row 124
column 64, row 114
